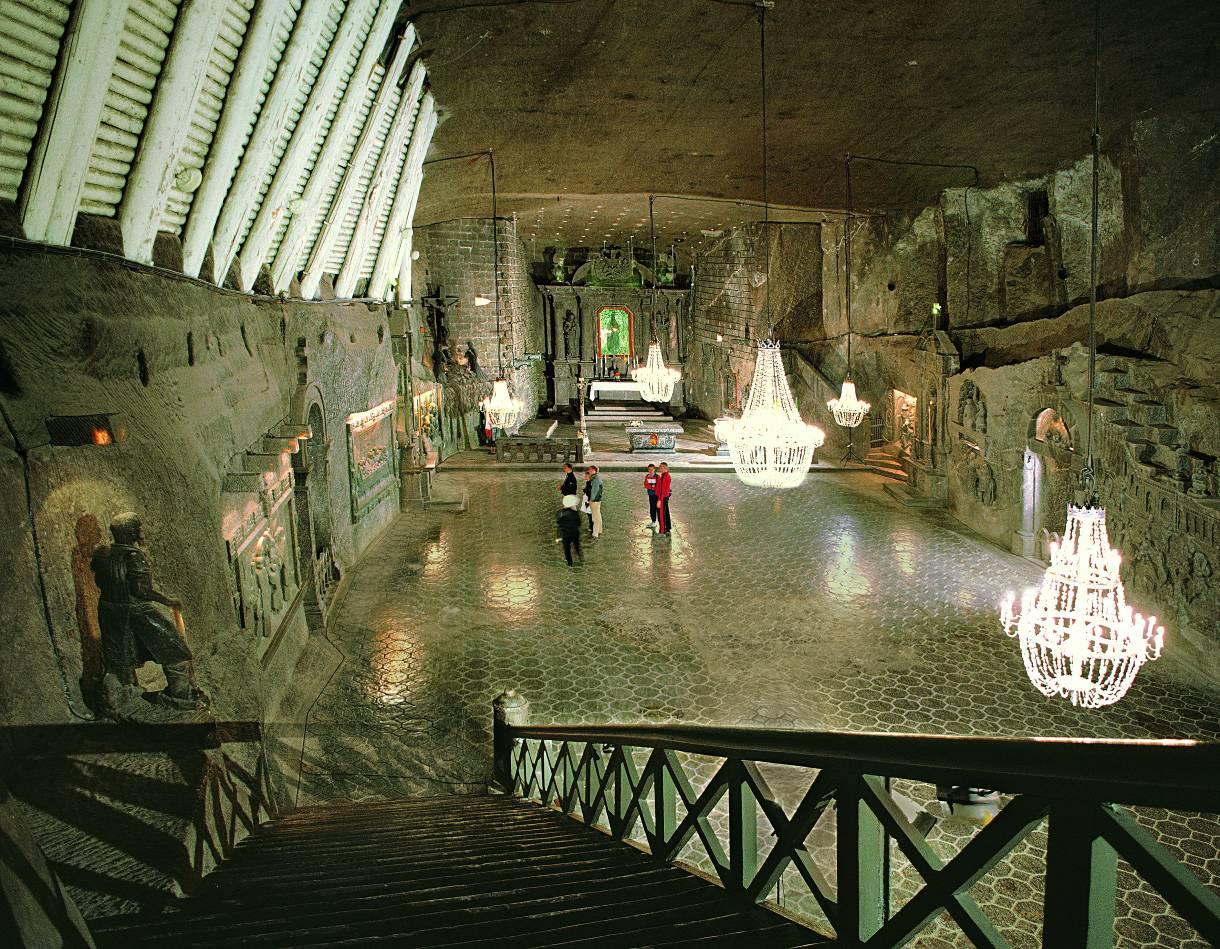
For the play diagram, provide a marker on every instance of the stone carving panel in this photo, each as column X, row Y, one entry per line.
column 372, row 460
column 262, row 553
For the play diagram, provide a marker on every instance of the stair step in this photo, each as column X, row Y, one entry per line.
column 454, row 871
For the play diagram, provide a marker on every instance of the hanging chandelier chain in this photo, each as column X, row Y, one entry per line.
column 1094, row 250
column 762, row 59
column 847, row 258
column 495, row 256
column 652, row 236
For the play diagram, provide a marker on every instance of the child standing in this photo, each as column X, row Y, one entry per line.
column 650, row 485
column 567, row 523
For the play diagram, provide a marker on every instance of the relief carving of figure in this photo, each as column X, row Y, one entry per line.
column 472, row 358
column 135, row 625
column 569, row 334
column 985, row 488
column 271, row 570
column 558, row 272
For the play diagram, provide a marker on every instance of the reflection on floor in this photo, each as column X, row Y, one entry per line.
column 825, row 607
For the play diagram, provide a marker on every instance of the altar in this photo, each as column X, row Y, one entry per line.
column 614, row 389
column 654, row 436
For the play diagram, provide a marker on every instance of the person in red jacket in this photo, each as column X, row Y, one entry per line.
column 650, row 485
column 664, row 489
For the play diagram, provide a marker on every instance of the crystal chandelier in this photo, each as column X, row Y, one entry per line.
column 1079, row 638
column 848, row 410
column 502, row 408
column 770, row 445
column 656, row 379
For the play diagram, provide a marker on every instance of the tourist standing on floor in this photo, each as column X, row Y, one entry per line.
column 650, row 485
column 664, row 489
column 569, row 482
column 567, row 523
column 594, row 488
column 585, row 507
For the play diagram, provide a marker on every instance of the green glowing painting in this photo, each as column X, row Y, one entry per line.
column 614, row 331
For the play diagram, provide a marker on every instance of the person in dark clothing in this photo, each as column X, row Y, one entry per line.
column 650, row 485
column 664, row 489
column 569, row 485
column 567, row 523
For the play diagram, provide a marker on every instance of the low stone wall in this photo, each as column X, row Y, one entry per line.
column 522, row 448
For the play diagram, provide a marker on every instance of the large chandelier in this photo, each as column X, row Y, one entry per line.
column 848, row 410
column 656, row 379
column 502, row 408
column 1079, row 638
column 771, row 446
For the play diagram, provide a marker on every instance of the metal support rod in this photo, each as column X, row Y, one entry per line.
column 762, row 63
column 847, row 262
column 1087, row 476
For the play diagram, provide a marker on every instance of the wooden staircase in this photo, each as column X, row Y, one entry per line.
column 453, row 871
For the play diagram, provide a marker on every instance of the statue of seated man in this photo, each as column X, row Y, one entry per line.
column 134, row 626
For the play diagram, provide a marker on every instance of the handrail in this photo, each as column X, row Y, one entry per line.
column 1175, row 773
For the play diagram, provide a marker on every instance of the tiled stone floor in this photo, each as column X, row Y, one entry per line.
column 827, row 607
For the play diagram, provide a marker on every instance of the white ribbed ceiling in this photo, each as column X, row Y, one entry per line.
column 257, row 132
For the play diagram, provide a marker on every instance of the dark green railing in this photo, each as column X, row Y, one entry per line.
column 624, row 778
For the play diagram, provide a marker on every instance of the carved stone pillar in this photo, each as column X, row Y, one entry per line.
column 936, row 359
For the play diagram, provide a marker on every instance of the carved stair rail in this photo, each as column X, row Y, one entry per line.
column 633, row 780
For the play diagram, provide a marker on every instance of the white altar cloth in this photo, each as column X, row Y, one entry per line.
column 626, row 389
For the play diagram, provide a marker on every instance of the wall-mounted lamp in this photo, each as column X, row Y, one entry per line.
column 76, row 430
column 482, row 301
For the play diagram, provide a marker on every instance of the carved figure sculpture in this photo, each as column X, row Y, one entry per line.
column 472, row 358
column 134, row 625
column 984, row 484
column 569, row 333
column 558, row 273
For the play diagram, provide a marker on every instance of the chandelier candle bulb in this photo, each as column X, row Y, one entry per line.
column 847, row 409
column 1079, row 638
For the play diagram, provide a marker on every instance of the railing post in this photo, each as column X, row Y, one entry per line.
column 860, row 844
column 508, row 709
column 664, row 794
column 743, row 829
column 1081, row 869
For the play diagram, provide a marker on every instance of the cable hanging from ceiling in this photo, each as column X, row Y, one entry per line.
column 771, row 446
column 847, row 409
column 503, row 409
column 1080, row 640
column 657, row 380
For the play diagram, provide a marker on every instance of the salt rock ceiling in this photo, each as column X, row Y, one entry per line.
column 591, row 105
